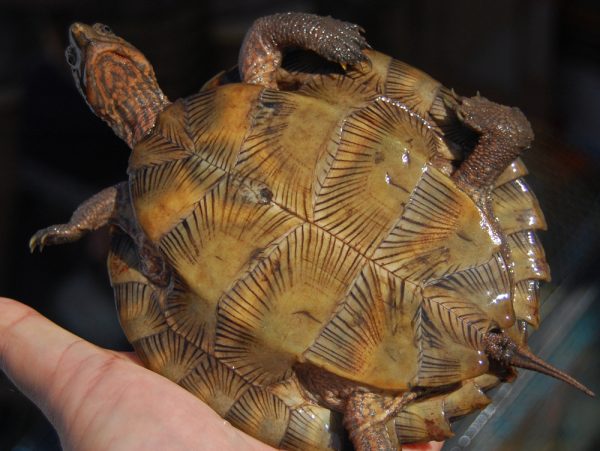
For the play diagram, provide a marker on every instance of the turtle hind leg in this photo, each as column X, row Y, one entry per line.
column 261, row 52
column 366, row 416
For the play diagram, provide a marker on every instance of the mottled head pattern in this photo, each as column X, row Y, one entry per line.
column 116, row 80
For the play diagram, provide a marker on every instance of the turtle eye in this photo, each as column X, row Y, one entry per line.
column 103, row 29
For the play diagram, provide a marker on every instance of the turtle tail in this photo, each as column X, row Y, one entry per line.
column 505, row 351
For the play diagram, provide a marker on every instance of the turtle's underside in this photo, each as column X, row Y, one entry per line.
column 314, row 246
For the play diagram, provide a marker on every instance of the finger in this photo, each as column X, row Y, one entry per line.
column 129, row 356
column 431, row 446
column 31, row 349
column 98, row 398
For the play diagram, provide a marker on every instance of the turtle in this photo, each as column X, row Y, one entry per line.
column 321, row 241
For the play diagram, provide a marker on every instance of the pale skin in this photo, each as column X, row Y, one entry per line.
column 101, row 399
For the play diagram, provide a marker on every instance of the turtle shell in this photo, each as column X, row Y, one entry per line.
column 319, row 226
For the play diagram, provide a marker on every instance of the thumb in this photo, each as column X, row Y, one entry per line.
column 33, row 349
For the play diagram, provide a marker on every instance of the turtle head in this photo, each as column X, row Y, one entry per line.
column 115, row 79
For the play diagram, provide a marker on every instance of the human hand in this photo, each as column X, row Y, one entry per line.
column 100, row 399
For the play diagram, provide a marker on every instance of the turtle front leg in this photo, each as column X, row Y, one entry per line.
column 95, row 212
column 365, row 418
column 261, row 52
column 111, row 206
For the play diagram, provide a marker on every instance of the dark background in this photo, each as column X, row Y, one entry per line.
column 543, row 56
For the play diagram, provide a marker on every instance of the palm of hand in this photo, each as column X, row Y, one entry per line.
column 100, row 399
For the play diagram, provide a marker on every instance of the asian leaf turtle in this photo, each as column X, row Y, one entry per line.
column 332, row 242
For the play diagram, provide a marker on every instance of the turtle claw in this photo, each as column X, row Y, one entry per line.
column 37, row 241
column 43, row 238
column 55, row 234
column 450, row 98
column 345, row 44
column 362, row 67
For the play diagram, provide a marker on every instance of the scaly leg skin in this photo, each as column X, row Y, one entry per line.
column 261, row 52
column 504, row 132
column 111, row 206
column 366, row 416
column 92, row 214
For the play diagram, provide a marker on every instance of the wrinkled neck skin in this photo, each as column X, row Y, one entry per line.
column 124, row 95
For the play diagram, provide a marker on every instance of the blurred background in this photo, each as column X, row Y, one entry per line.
column 541, row 55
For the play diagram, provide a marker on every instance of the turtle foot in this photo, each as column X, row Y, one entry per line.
column 92, row 214
column 261, row 53
column 490, row 118
column 55, row 234
column 504, row 133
